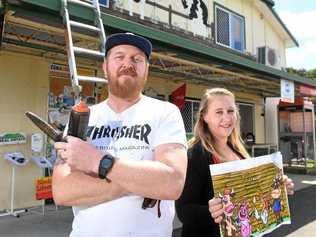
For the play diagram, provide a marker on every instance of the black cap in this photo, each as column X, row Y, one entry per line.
column 128, row 38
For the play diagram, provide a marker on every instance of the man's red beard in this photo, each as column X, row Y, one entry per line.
column 128, row 88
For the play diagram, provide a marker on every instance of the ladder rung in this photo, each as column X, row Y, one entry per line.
column 88, row 52
column 84, row 26
column 82, row 3
column 92, row 79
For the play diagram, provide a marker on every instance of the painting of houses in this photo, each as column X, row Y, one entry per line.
column 253, row 195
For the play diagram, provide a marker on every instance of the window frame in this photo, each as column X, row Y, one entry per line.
column 192, row 115
column 253, row 106
column 107, row 5
column 230, row 15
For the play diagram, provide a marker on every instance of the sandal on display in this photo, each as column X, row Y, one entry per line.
column 16, row 158
column 42, row 162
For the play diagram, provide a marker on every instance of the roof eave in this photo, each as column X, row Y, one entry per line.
column 270, row 3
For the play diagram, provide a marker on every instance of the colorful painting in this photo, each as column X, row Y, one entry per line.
column 253, row 195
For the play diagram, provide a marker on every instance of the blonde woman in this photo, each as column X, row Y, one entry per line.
column 216, row 140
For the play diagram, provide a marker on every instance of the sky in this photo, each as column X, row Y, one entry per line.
column 300, row 18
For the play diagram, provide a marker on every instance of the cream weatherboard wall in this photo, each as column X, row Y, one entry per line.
column 23, row 86
column 260, row 30
column 265, row 34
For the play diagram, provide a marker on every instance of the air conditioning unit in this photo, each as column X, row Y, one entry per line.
column 267, row 56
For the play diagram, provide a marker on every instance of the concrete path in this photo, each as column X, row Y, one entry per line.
column 58, row 223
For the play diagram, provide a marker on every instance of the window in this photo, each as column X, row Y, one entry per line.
column 246, row 112
column 104, row 3
column 188, row 113
column 230, row 29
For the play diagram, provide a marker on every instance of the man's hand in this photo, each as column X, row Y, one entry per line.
column 79, row 155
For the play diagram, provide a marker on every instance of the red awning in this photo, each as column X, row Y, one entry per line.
column 307, row 90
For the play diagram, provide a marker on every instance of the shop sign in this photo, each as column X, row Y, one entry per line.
column 178, row 96
column 287, row 91
column 12, row 138
column 59, row 71
column 62, row 71
column 43, row 188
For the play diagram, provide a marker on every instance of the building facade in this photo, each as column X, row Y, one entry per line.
column 236, row 44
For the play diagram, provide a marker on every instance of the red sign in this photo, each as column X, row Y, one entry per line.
column 307, row 91
column 299, row 101
column 44, row 188
column 178, row 96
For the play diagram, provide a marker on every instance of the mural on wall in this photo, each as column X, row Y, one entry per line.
column 194, row 9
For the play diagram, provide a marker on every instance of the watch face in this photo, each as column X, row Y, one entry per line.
column 105, row 166
column 106, row 163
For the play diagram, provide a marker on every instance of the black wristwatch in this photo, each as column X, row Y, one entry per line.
column 106, row 164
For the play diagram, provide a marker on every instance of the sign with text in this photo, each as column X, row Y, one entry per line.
column 287, row 91
column 43, row 188
column 12, row 138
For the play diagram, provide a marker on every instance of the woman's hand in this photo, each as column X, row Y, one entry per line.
column 216, row 209
column 289, row 184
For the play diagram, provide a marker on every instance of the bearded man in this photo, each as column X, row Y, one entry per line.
column 136, row 149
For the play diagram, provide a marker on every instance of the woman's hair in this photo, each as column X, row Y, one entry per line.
column 201, row 130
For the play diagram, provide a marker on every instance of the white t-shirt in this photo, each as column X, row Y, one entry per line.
column 132, row 134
